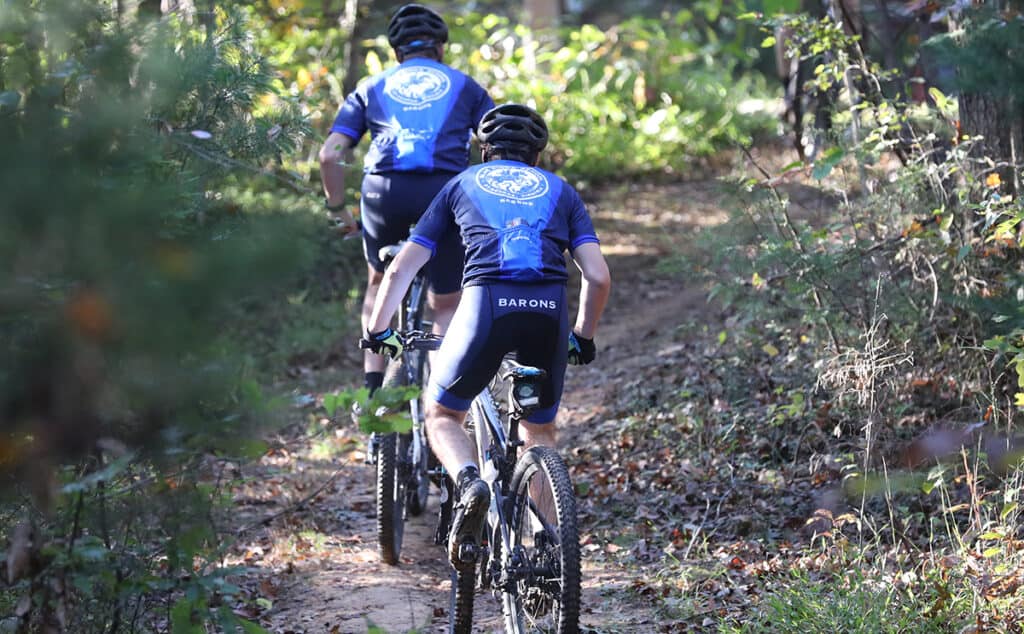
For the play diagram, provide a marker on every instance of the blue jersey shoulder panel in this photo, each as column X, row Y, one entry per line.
column 420, row 115
column 516, row 222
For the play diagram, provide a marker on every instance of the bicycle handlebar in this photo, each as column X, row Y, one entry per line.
column 419, row 340
column 413, row 340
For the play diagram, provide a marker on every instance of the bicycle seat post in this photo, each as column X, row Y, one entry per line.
column 523, row 396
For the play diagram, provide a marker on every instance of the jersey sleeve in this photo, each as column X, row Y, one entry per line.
column 437, row 220
column 581, row 228
column 351, row 119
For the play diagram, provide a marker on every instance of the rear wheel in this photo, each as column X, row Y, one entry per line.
column 545, row 545
column 392, row 473
column 390, row 496
column 460, row 605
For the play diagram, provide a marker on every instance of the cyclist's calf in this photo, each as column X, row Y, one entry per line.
column 443, row 306
column 544, row 434
column 448, row 439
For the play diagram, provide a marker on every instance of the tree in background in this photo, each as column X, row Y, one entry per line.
column 986, row 44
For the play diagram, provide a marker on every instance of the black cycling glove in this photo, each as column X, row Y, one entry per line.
column 581, row 350
column 386, row 342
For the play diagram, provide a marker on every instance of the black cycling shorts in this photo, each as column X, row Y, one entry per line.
column 492, row 320
column 390, row 205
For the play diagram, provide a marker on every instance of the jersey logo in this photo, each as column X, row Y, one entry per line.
column 511, row 181
column 417, row 85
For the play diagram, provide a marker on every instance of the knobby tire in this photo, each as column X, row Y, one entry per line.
column 460, row 604
column 523, row 608
column 389, row 503
column 391, row 482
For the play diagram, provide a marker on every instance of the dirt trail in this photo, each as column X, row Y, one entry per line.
column 318, row 566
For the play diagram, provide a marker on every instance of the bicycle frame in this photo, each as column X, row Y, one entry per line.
column 402, row 460
column 411, row 312
column 498, row 452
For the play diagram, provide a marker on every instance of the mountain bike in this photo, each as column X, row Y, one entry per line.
column 405, row 465
column 529, row 555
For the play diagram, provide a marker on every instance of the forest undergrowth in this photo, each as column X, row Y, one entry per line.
column 835, row 449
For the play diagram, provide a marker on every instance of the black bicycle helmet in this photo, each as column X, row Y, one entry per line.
column 416, row 22
column 512, row 125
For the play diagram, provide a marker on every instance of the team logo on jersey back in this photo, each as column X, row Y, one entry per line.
column 512, row 181
column 417, row 85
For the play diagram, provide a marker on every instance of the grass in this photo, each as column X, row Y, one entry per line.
column 842, row 603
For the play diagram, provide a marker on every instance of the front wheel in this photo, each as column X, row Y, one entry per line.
column 545, row 547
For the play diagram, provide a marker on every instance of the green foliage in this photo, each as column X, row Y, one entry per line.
column 122, row 269
column 873, row 316
column 648, row 96
column 113, row 250
column 986, row 49
column 384, row 412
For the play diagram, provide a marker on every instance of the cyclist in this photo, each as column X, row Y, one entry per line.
column 421, row 115
column 516, row 222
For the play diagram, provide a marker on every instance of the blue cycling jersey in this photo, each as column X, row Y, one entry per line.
column 420, row 115
column 516, row 222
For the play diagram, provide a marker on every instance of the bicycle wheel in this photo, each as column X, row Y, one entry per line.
column 390, row 496
column 392, row 472
column 460, row 602
column 544, row 536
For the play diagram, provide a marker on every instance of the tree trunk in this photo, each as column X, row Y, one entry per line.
column 542, row 14
column 991, row 118
column 352, row 52
column 186, row 8
column 355, row 27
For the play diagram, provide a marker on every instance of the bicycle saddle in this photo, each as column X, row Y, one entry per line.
column 514, row 371
column 388, row 253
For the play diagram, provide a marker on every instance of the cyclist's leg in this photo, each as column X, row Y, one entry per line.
column 468, row 357
column 442, row 307
column 373, row 364
column 545, row 345
column 383, row 224
column 449, row 440
column 458, row 372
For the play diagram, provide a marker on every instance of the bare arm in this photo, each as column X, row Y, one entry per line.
column 336, row 151
column 597, row 284
column 397, row 278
